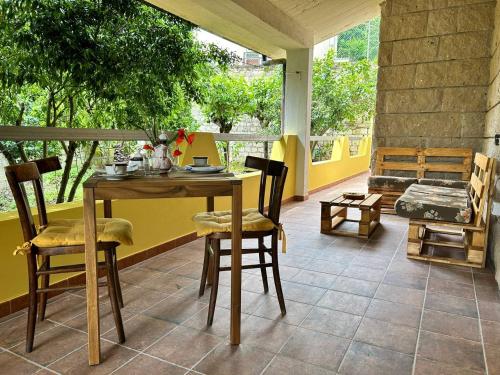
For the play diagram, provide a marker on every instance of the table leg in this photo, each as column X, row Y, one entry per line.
column 236, row 265
column 108, row 212
column 210, row 275
column 89, row 217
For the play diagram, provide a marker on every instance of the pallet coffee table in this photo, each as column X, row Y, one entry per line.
column 334, row 212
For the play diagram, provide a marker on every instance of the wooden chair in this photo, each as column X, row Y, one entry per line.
column 17, row 175
column 473, row 235
column 277, row 171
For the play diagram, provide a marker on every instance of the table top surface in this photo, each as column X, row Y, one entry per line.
column 368, row 202
column 138, row 179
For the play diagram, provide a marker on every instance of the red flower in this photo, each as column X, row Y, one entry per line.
column 181, row 133
column 148, row 147
column 177, row 152
column 179, row 140
column 190, row 138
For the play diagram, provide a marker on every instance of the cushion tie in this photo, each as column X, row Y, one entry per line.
column 25, row 249
column 282, row 237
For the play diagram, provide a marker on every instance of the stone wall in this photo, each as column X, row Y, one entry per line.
column 433, row 73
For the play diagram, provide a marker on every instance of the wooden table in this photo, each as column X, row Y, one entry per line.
column 334, row 213
column 153, row 187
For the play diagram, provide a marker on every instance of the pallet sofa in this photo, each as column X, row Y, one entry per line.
column 417, row 165
column 450, row 225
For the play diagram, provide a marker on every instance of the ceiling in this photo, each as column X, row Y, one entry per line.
column 273, row 26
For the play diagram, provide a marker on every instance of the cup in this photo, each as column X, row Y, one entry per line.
column 200, row 161
column 116, row 168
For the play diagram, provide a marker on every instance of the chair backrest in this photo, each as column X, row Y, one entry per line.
column 277, row 170
column 17, row 175
column 422, row 161
column 481, row 188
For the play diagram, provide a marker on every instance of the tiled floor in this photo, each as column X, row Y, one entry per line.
column 354, row 307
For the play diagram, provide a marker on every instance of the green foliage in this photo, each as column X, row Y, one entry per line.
column 227, row 99
column 266, row 92
column 342, row 93
column 360, row 42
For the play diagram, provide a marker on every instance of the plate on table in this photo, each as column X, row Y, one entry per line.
column 207, row 169
column 115, row 177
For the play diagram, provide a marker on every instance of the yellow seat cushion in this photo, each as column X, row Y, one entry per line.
column 69, row 232
column 220, row 221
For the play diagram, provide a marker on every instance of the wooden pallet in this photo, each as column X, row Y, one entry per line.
column 420, row 164
column 334, row 213
column 474, row 236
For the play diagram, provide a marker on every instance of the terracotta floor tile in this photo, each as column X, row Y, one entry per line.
column 227, row 359
column 107, row 320
column 52, row 345
column 175, row 309
column 12, row 364
column 139, row 299
column 489, row 311
column 491, row 332
column 405, row 280
column 407, row 296
column 283, row 365
column 363, row 273
column 355, row 286
column 331, row 267
column 463, row 276
column 332, row 322
column 64, row 309
column 168, row 283
column 488, row 293
column 191, row 270
column 387, row 335
column 319, row 279
column 141, row 331
column 493, row 358
column 394, row 313
column 249, row 301
column 295, row 311
column 164, row 264
column 144, row 363
column 184, row 346
column 112, row 357
column 451, row 325
column 371, row 261
column 451, row 288
column 425, row 366
column 364, row 359
column 451, row 304
column 268, row 335
column 410, row 267
column 456, row 352
column 302, row 293
column 346, row 302
column 13, row 331
column 309, row 346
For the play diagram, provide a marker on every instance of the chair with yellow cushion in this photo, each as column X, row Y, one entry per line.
column 60, row 237
column 256, row 224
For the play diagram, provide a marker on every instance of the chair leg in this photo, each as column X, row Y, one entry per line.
column 215, row 281
column 276, row 272
column 204, row 271
column 45, row 282
column 113, row 296
column 262, row 260
column 117, row 278
column 32, row 307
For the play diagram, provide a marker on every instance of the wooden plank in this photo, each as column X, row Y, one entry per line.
column 447, row 152
column 397, row 151
column 399, row 166
column 443, row 260
column 92, row 290
column 235, row 326
column 481, row 161
column 371, row 200
column 445, row 167
column 477, row 185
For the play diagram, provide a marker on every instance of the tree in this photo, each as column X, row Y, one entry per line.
column 227, row 100
column 266, row 92
column 360, row 42
column 89, row 63
column 342, row 93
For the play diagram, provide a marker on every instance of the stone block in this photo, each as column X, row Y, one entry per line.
column 464, row 99
column 454, row 3
column 406, row 6
column 472, row 72
column 494, row 92
column 411, row 101
column 396, row 77
column 385, row 54
column 464, row 46
column 476, row 17
column 415, row 50
column 380, row 105
column 424, row 125
column 404, row 142
column 442, row 21
column 406, row 26
column 472, row 124
column 492, row 122
column 431, row 74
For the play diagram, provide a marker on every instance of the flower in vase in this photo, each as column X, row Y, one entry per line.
column 177, row 152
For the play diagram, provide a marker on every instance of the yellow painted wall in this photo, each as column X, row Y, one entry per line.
column 341, row 165
column 158, row 221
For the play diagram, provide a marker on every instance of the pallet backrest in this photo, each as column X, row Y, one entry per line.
column 481, row 186
column 421, row 160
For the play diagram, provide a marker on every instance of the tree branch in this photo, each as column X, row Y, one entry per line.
column 83, row 170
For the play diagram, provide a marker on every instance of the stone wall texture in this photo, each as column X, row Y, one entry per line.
column 434, row 63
